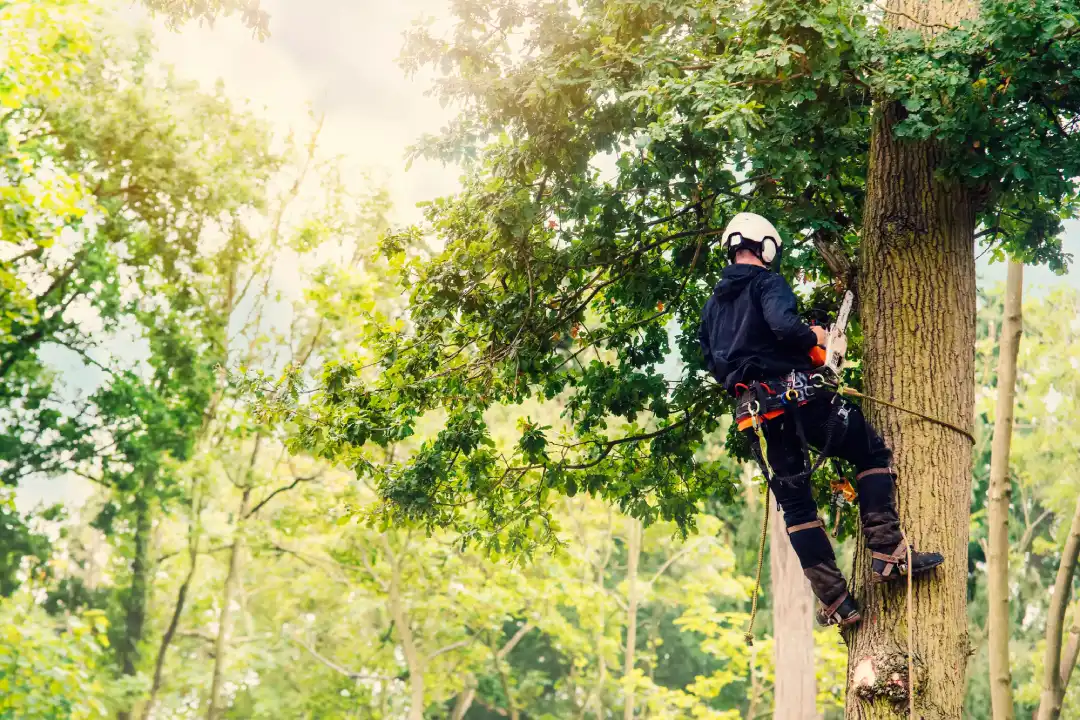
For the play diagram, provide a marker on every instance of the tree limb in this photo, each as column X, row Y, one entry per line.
column 675, row 558
column 1053, row 694
column 1029, row 533
column 512, row 642
column 282, row 489
column 351, row 674
column 450, row 648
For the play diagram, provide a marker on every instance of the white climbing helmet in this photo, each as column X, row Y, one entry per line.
column 748, row 231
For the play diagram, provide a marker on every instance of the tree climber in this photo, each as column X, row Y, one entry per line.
column 759, row 349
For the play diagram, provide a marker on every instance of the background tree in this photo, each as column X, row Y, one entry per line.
column 998, row 496
column 575, row 259
column 636, row 130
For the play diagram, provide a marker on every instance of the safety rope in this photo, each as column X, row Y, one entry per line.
column 749, row 636
column 842, row 390
column 764, row 448
column 910, row 634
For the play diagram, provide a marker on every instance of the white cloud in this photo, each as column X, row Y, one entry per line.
column 333, row 56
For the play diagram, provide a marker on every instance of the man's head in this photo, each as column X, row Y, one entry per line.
column 748, row 257
column 751, row 239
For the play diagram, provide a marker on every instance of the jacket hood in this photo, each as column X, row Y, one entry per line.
column 734, row 279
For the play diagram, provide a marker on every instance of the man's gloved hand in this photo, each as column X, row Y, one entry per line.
column 817, row 353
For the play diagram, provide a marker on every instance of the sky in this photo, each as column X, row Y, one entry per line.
column 339, row 58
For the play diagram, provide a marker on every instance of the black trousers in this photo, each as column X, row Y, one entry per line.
column 860, row 445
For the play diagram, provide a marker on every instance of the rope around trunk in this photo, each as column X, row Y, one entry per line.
column 955, row 428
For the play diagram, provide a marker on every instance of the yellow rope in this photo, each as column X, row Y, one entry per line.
column 910, row 635
column 956, row 428
column 749, row 636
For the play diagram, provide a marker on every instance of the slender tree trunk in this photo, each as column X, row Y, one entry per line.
column 221, row 643
column 633, row 554
column 1072, row 650
column 135, row 612
column 170, row 632
column 795, row 693
column 917, row 288
column 408, row 643
column 464, row 702
column 1053, row 690
column 998, row 505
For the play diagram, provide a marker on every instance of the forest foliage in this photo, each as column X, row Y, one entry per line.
column 164, row 255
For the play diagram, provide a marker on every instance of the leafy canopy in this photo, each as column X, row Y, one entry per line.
column 181, row 11
column 606, row 143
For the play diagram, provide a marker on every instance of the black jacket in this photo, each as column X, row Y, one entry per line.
column 751, row 329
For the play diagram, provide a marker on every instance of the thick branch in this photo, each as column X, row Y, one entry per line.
column 832, row 253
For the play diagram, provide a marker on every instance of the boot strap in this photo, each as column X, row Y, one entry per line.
column 806, row 526
column 897, row 559
column 829, row 611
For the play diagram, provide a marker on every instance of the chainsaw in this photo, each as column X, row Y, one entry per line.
column 832, row 355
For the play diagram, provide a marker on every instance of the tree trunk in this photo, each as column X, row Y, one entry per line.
column 135, row 610
column 464, row 701
column 221, row 643
column 1072, row 650
column 408, row 642
column 1053, row 690
column 998, row 501
column 633, row 553
column 795, row 692
column 918, row 310
column 170, row 632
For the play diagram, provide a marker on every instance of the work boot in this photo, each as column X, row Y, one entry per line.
column 881, row 528
column 815, row 552
column 844, row 611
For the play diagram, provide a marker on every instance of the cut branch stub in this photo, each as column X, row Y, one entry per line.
column 884, row 677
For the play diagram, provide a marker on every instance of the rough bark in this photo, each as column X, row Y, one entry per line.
column 917, row 287
column 221, row 643
column 1053, row 692
column 998, row 501
column 633, row 554
column 135, row 612
column 795, row 691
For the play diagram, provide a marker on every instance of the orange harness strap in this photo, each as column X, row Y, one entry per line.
column 747, row 423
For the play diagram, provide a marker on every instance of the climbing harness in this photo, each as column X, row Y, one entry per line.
column 758, row 402
column 800, row 389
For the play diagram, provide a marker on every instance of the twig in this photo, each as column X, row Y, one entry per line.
column 284, row 488
column 351, row 674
